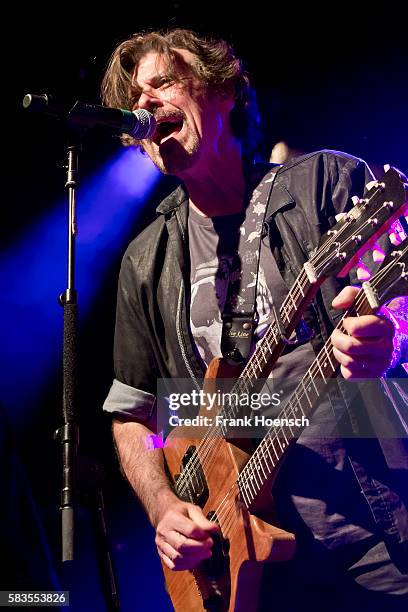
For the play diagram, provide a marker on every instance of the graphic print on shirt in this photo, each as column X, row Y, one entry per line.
column 209, row 297
column 209, row 289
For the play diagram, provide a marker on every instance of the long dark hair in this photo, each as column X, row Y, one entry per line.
column 215, row 65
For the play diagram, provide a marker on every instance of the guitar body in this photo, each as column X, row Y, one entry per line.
column 229, row 581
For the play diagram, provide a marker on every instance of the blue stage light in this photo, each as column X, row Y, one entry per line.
column 33, row 272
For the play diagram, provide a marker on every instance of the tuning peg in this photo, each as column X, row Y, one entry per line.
column 378, row 254
column 371, row 184
column 363, row 273
column 341, row 216
column 363, row 202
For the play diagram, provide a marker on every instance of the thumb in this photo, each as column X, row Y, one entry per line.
column 346, row 297
column 196, row 515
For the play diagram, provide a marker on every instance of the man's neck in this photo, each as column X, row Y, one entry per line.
column 219, row 188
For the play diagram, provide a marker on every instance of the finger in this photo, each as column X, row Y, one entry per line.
column 198, row 517
column 177, row 561
column 369, row 326
column 167, row 554
column 358, row 347
column 361, row 367
column 342, row 358
column 374, row 363
column 346, row 297
column 178, row 521
column 166, row 560
column 182, row 544
column 354, row 373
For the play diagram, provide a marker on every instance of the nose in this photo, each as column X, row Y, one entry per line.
column 149, row 101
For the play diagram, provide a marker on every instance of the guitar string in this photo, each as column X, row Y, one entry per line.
column 248, row 472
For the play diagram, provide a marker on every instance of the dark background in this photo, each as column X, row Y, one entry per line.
column 325, row 79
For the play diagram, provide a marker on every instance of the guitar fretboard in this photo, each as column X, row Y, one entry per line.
column 301, row 405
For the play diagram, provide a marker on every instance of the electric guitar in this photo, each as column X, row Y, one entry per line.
column 217, row 474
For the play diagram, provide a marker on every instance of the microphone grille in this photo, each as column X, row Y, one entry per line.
column 145, row 124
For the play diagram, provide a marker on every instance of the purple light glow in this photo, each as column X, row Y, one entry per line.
column 154, row 441
column 397, row 233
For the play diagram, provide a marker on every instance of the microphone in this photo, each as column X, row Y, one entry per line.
column 139, row 123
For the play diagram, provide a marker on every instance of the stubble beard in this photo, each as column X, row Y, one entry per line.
column 175, row 158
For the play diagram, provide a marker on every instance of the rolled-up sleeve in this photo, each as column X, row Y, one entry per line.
column 126, row 402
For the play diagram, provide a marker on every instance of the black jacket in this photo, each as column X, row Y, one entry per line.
column 152, row 332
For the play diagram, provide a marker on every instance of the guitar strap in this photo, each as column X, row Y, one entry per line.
column 240, row 317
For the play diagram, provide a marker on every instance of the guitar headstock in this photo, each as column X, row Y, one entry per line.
column 342, row 246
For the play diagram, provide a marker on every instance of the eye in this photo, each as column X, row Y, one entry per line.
column 165, row 81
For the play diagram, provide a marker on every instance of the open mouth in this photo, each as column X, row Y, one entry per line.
column 166, row 128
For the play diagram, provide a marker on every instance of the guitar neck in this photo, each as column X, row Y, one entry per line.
column 274, row 341
column 301, row 405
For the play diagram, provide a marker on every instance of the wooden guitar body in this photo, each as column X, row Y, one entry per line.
column 229, row 581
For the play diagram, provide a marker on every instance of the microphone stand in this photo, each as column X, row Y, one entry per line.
column 68, row 433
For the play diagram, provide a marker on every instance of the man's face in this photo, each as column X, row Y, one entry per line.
column 190, row 120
